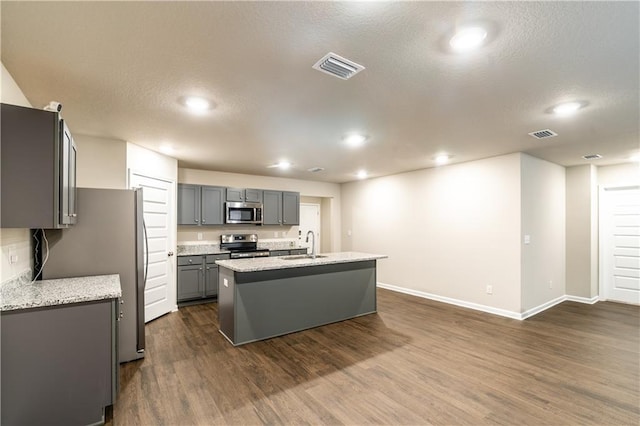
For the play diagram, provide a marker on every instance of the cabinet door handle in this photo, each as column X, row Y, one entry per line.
column 170, row 254
column 73, row 215
column 203, row 220
column 196, row 221
column 190, row 261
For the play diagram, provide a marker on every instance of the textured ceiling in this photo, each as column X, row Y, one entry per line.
column 119, row 69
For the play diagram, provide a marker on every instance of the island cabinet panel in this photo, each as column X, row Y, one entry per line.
column 59, row 364
column 258, row 305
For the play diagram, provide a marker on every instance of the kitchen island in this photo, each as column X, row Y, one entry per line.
column 261, row 298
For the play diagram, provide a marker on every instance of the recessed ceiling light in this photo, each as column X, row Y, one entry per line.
column 167, row 149
column 197, row 104
column 567, row 108
column 362, row 174
column 355, row 140
column 468, row 38
column 284, row 165
column 442, row 158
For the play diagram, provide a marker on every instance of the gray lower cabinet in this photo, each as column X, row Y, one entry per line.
column 59, row 364
column 200, row 205
column 198, row 277
column 281, row 208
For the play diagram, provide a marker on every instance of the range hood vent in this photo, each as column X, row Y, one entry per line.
column 543, row 134
column 338, row 66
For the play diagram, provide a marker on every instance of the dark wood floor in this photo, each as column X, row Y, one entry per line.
column 414, row 362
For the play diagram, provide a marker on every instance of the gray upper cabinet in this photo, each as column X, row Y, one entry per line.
column 281, row 208
column 242, row 195
column 291, row 208
column 188, row 204
column 272, row 207
column 200, row 205
column 212, row 205
column 38, row 169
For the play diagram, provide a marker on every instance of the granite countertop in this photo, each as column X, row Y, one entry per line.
column 269, row 263
column 203, row 248
column 61, row 291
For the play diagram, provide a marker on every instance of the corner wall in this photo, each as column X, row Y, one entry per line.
column 582, row 231
column 448, row 231
column 543, row 220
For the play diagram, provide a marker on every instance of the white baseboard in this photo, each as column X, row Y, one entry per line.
column 452, row 301
column 489, row 309
column 587, row 300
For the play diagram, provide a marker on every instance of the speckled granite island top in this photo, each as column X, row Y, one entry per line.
column 59, row 292
column 269, row 263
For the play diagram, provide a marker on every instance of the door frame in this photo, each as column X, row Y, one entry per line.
column 604, row 228
column 173, row 232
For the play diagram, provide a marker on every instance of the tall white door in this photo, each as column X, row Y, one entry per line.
column 159, row 293
column 620, row 244
column 309, row 221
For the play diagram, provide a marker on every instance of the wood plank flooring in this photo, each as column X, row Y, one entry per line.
column 414, row 362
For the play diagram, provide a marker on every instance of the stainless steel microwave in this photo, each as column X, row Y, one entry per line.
column 249, row 213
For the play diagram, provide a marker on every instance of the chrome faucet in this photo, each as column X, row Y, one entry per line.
column 313, row 244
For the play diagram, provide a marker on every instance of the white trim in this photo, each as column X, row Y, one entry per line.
column 489, row 309
column 451, row 301
column 533, row 311
column 587, row 300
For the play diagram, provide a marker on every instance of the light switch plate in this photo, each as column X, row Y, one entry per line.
column 527, row 239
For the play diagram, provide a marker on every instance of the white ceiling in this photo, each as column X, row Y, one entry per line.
column 119, row 69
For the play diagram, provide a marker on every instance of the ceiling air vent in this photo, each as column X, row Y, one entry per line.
column 592, row 157
column 543, row 134
column 338, row 66
column 315, row 169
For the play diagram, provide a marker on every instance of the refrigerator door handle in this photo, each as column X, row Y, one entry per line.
column 146, row 253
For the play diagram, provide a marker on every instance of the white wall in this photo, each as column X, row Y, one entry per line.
column 328, row 192
column 621, row 174
column 543, row 219
column 13, row 242
column 448, row 231
column 101, row 162
column 582, row 231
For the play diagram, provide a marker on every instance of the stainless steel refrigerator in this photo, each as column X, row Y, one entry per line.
column 108, row 238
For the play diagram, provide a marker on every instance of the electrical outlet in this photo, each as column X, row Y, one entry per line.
column 489, row 289
column 550, row 284
column 13, row 259
column 199, row 236
column 225, row 282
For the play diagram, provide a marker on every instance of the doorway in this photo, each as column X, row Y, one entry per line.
column 310, row 221
column 620, row 244
column 158, row 205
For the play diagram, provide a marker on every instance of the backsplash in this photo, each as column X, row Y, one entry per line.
column 210, row 235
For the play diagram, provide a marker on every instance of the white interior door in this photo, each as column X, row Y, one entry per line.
column 309, row 221
column 620, row 244
column 159, row 292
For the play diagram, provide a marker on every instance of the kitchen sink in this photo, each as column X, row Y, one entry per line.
column 302, row 256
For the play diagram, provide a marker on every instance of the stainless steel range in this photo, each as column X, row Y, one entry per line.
column 242, row 246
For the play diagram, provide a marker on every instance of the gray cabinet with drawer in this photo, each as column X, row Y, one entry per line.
column 198, row 277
